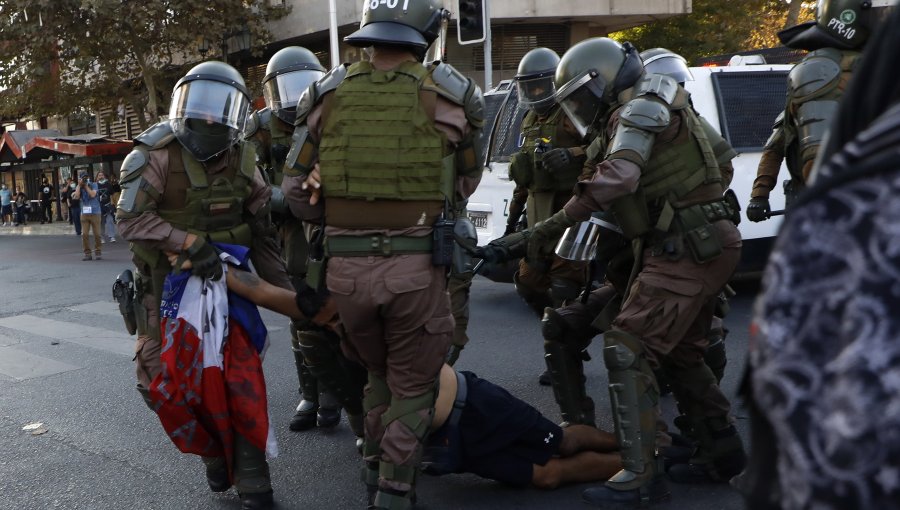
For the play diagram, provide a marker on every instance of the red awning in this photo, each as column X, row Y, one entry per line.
column 84, row 145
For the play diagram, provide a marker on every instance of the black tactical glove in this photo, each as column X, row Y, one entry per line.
column 758, row 209
column 204, row 259
column 310, row 300
column 544, row 237
column 557, row 160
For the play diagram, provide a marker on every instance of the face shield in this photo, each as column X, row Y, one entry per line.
column 582, row 100
column 536, row 91
column 669, row 65
column 283, row 91
column 579, row 242
column 208, row 116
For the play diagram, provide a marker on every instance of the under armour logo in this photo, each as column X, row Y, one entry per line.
column 548, row 438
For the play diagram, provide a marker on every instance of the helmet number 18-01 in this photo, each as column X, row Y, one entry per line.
column 373, row 4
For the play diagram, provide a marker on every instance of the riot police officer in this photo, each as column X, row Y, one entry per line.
column 316, row 351
column 657, row 174
column 191, row 181
column 547, row 166
column 815, row 86
column 545, row 170
column 393, row 146
column 568, row 330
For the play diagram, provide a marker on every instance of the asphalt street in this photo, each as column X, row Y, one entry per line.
column 65, row 362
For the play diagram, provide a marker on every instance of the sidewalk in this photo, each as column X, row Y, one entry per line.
column 57, row 228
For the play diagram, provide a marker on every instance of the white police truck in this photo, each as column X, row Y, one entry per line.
column 741, row 101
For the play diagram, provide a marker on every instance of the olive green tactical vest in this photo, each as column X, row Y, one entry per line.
column 528, row 170
column 672, row 173
column 193, row 204
column 379, row 142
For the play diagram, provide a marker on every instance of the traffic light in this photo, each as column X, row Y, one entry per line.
column 470, row 20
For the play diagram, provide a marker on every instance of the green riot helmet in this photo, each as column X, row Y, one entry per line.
column 590, row 76
column 209, row 109
column 413, row 24
column 844, row 24
column 289, row 72
column 663, row 61
column 534, row 79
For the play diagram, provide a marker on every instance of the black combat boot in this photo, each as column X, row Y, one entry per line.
column 216, row 474
column 719, row 457
column 305, row 417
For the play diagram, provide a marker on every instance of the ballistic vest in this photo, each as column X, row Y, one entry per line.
column 379, row 147
column 193, row 204
column 534, row 131
column 678, row 175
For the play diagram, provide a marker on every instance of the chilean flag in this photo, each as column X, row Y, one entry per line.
column 211, row 385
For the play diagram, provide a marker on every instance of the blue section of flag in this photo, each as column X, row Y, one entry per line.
column 173, row 291
column 241, row 310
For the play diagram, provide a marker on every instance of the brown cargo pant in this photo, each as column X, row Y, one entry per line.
column 396, row 315
column 670, row 308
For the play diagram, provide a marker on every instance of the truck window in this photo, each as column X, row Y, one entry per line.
column 492, row 104
column 505, row 136
column 748, row 103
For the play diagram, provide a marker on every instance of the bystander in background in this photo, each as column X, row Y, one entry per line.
column 90, row 215
column 45, row 195
column 106, row 188
column 21, row 206
column 5, row 205
column 74, row 205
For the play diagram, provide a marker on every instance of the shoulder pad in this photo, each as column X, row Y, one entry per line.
column 475, row 106
column 449, row 83
column 133, row 164
column 316, row 90
column 331, row 80
column 646, row 114
column 265, row 117
column 251, row 126
column 659, row 85
column 156, row 136
column 779, row 121
column 813, row 76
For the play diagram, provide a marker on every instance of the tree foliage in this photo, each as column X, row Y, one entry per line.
column 63, row 56
column 718, row 27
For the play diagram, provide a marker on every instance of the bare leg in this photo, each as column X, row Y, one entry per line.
column 582, row 467
column 579, row 438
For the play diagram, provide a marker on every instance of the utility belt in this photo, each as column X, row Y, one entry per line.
column 693, row 229
column 376, row 245
column 442, row 452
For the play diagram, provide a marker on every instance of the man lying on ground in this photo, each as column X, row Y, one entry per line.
column 481, row 429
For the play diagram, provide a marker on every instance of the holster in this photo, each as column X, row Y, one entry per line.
column 316, row 260
column 125, row 292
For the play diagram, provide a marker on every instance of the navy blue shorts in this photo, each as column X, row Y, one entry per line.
column 501, row 436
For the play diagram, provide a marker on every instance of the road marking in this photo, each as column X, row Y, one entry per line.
column 98, row 307
column 21, row 365
column 88, row 336
column 112, row 308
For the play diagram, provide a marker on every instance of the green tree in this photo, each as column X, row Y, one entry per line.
column 61, row 56
column 718, row 27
